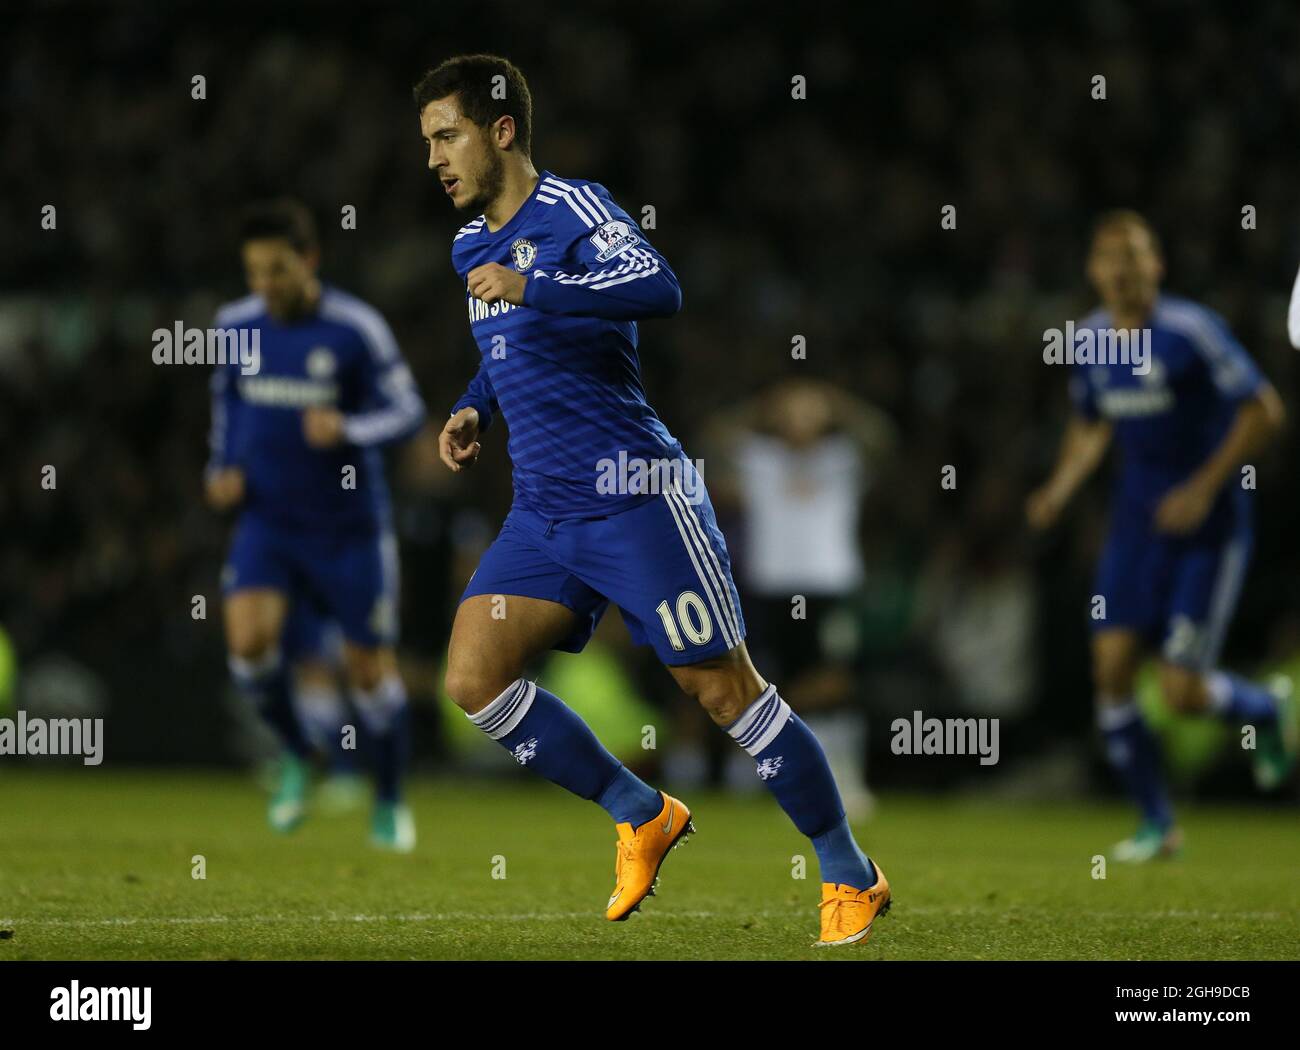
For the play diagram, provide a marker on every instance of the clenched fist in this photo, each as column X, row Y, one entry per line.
column 492, row 281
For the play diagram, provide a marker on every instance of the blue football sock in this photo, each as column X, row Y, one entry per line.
column 1134, row 752
column 629, row 800
column 323, row 715
column 793, row 767
column 841, row 859
column 385, row 715
column 546, row 735
column 1239, row 700
column 265, row 682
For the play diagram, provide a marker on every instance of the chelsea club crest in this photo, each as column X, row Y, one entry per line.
column 524, row 253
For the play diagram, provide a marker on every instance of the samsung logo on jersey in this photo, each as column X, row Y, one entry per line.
column 1106, row 346
column 478, row 309
column 179, row 345
column 1135, row 401
column 281, row 392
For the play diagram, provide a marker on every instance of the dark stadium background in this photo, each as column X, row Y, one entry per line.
column 817, row 217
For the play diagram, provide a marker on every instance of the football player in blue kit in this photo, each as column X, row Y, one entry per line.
column 607, row 508
column 296, row 449
column 1186, row 420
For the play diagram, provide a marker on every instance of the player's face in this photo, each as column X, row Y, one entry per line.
column 1125, row 267
column 462, row 155
column 279, row 274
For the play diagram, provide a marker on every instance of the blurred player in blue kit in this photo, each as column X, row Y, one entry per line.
column 296, row 450
column 1180, row 536
column 607, row 507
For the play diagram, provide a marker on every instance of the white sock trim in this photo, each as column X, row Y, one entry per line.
column 762, row 721
column 1218, row 686
column 501, row 716
column 252, row 670
column 378, row 707
column 1117, row 716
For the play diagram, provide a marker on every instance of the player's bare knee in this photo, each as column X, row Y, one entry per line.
column 250, row 645
column 1182, row 689
column 722, row 696
column 471, row 689
column 365, row 670
column 1112, row 675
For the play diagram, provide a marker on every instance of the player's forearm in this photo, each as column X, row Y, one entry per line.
column 479, row 396
column 1082, row 451
column 1256, row 425
column 221, row 438
column 395, row 422
column 633, row 291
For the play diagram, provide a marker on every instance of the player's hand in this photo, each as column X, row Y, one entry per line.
column 1043, row 507
column 225, row 488
column 1184, row 508
column 492, row 281
column 322, row 427
column 457, row 444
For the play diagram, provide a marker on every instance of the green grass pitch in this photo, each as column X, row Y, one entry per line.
column 97, row 865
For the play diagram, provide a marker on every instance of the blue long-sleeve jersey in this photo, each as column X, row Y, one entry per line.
column 1169, row 421
column 563, row 367
column 342, row 356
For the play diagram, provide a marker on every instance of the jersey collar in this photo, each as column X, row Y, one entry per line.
column 517, row 219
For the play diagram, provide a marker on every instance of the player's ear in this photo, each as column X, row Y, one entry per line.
column 503, row 131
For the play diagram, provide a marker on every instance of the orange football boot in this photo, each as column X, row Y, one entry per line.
column 847, row 914
column 641, row 852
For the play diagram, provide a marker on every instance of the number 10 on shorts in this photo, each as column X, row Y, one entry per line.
column 693, row 618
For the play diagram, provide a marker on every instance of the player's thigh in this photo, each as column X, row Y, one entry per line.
column 254, row 620
column 494, row 638
column 665, row 564
column 723, row 685
column 1116, row 653
column 255, row 582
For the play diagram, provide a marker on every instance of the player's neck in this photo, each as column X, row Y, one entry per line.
column 520, row 181
column 1133, row 316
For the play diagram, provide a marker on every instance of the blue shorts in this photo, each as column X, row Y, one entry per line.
column 664, row 563
column 1179, row 593
column 310, row 635
column 350, row 578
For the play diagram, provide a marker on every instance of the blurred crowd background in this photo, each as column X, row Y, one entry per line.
column 817, row 217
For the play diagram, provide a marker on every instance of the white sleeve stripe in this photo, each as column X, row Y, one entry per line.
column 630, row 277
column 574, row 200
column 468, row 228
column 1225, row 370
column 639, row 261
column 385, row 422
column 374, row 332
column 238, row 311
column 596, row 203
